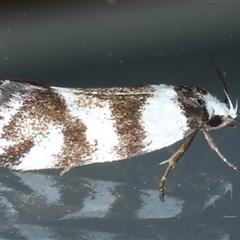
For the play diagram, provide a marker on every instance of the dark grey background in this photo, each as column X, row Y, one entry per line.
column 112, row 43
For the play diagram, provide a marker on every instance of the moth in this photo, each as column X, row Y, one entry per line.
column 52, row 127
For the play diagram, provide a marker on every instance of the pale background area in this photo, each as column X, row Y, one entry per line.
column 108, row 43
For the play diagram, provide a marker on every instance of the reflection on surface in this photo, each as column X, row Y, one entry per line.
column 46, row 206
column 224, row 188
column 38, row 199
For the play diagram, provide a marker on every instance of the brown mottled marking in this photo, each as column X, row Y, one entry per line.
column 76, row 147
column 126, row 105
column 126, row 111
column 13, row 153
column 115, row 91
column 41, row 106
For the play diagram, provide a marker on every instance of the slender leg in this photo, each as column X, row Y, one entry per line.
column 215, row 148
column 65, row 170
column 173, row 160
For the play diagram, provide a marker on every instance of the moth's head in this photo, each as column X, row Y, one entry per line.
column 220, row 114
column 204, row 110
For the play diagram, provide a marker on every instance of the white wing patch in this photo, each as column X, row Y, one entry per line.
column 43, row 154
column 98, row 120
column 163, row 121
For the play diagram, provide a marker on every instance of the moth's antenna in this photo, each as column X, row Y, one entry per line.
column 219, row 73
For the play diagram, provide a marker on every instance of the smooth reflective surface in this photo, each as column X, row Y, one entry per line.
column 41, row 205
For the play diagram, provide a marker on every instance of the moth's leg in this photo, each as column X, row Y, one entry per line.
column 173, row 160
column 65, row 170
column 215, row 148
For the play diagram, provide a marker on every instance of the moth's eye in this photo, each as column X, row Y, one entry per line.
column 215, row 121
column 200, row 101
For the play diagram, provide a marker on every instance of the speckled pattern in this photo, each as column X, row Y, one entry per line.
column 40, row 107
column 51, row 127
column 126, row 111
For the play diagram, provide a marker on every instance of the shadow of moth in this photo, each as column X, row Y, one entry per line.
column 51, row 127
